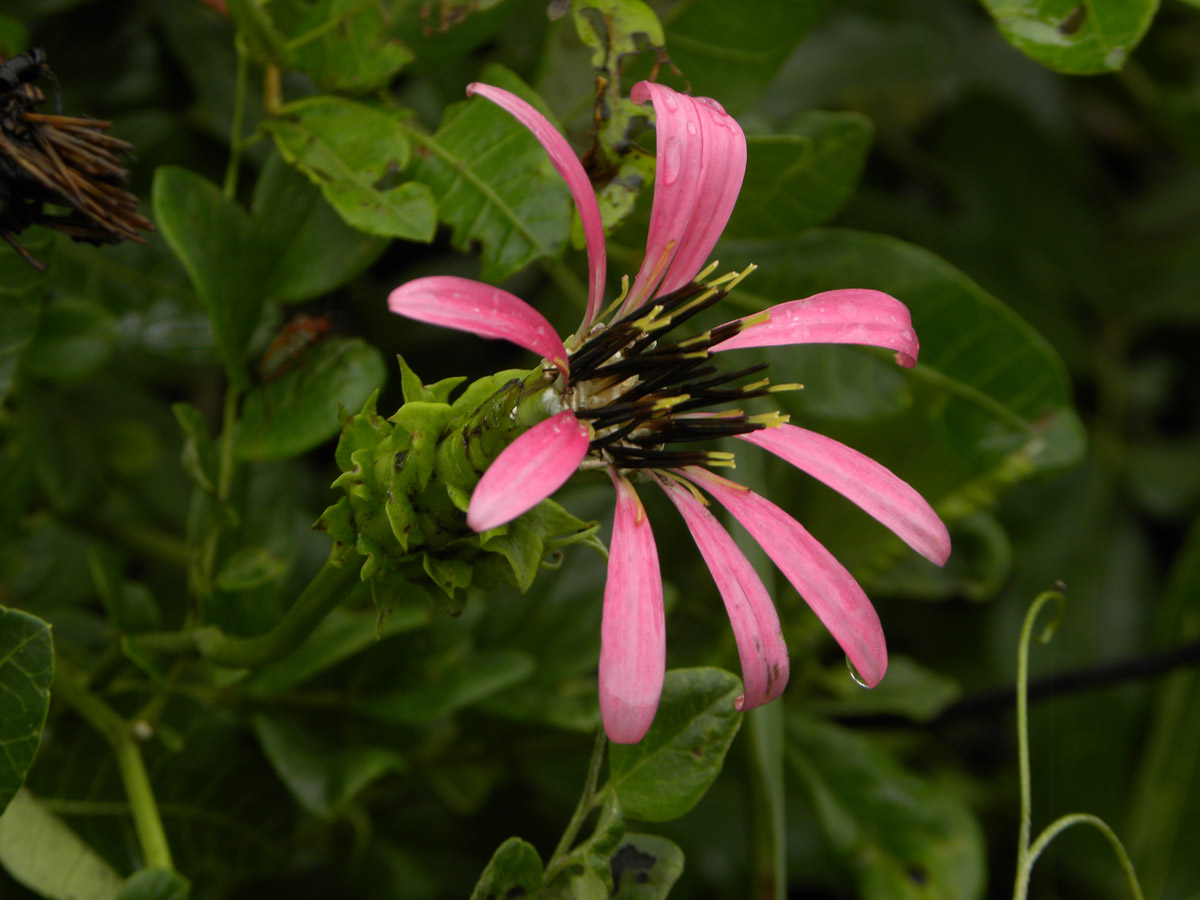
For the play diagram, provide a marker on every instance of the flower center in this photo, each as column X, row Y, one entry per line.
column 646, row 398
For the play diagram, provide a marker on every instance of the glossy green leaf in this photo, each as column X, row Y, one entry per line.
column 515, row 870
column 465, row 683
column 322, row 777
column 298, row 409
column 900, row 835
column 645, row 867
column 219, row 247
column 731, row 56
column 667, row 773
column 802, row 178
column 26, row 670
column 494, row 182
column 21, row 290
column 346, row 46
column 39, row 851
column 155, row 884
column 1078, row 37
column 313, row 250
column 352, row 152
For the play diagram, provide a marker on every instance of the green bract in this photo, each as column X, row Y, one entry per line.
column 408, row 480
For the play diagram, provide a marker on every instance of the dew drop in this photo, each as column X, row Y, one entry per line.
column 691, row 127
column 858, row 679
column 672, row 160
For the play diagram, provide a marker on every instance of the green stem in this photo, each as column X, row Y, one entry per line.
column 69, row 687
column 767, row 799
column 327, row 589
column 226, row 467
column 150, row 542
column 1062, row 824
column 239, row 112
column 586, row 800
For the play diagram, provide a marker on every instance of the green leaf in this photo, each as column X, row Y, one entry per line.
column 494, row 182
column 254, row 23
column 312, row 249
column 645, row 867
column 802, row 178
column 345, row 46
column 219, row 247
column 199, row 456
column 322, row 777
column 515, row 870
column 731, row 56
column 340, row 635
column 466, row 682
column 901, row 835
column 21, row 290
column 250, row 567
column 74, row 338
column 352, row 152
column 41, row 852
column 298, row 410
column 1076, row 37
column 155, row 884
column 910, row 690
column 626, row 26
column 667, row 773
column 26, row 670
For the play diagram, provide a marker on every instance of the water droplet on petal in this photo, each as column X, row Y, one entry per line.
column 858, row 679
column 691, row 128
column 672, row 160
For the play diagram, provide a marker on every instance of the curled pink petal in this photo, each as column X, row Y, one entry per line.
column 633, row 645
column 701, row 160
column 822, row 581
column 528, row 471
column 864, row 481
column 852, row 316
column 572, row 172
column 752, row 615
column 481, row 309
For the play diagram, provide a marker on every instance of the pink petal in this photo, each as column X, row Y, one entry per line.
column 822, row 581
column 528, row 471
column 572, row 172
column 852, row 316
column 633, row 645
column 480, row 309
column 862, row 480
column 760, row 643
column 701, row 160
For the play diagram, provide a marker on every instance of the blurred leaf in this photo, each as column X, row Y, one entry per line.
column 74, row 338
column 901, row 836
column 129, row 604
column 354, row 153
column 26, row 670
column 645, row 867
column 297, row 410
column 257, row 28
column 910, row 690
column 42, row 853
column 313, row 250
column 322, row 777
column 494, row 182
column 250, row 567
column 345, row 46
column 731, row 56
column 340, row 635
column 1077, row 38
column 217, row 244
column 466, row 682
column 199, row 457
column 515, row 870
column 21, row 290
column 155, row 884
column 667, row 773
column 802, row 178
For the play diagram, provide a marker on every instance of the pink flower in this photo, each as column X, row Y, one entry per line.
column 621, row 398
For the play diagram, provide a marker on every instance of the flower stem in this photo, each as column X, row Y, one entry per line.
column 767, row 797
column 69, row 687
column 1027, row 854
column 586, row 800
column 327, row 589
